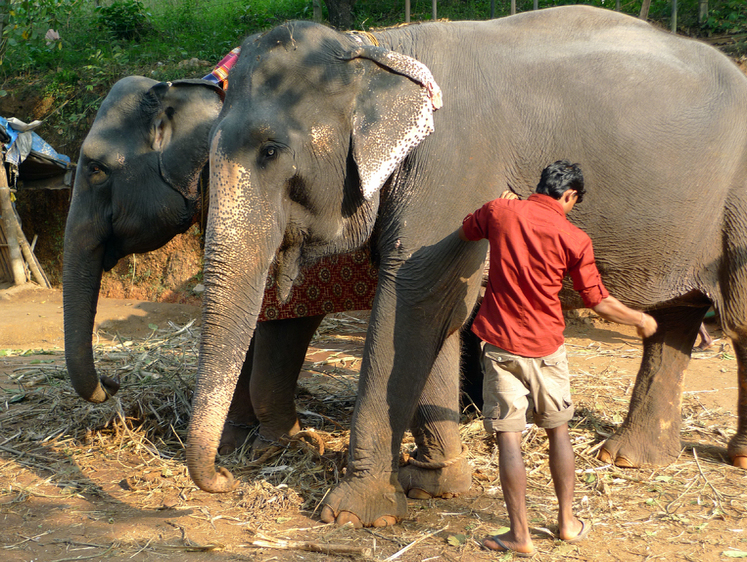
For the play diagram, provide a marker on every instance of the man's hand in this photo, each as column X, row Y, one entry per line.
column 647, row 326
column 508, row 194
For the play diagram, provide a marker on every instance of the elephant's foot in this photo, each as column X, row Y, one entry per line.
column 275, row 435
column 423, row 480
column 366, row 502
column 234, row 435
column 264, row 448
column 631, row 449
column 738, row 451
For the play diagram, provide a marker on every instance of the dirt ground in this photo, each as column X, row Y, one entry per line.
column 108, row 482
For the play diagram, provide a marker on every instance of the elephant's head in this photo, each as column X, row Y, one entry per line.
column 136, row 187
column 312, row 127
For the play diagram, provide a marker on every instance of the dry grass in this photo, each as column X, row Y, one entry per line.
column 45, row 425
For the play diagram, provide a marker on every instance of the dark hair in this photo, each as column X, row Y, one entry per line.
column 559, row 177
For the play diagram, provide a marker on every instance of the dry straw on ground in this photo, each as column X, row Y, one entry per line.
column 45, row 424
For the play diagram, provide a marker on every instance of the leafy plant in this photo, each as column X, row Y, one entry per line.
column 27, row 24
column 124, row 19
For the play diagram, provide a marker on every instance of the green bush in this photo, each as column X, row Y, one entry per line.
column 124, row 19
column 25, row 30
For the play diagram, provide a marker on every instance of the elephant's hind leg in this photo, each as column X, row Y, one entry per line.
column 650, row 435
column 440, row 467
column 738, row 443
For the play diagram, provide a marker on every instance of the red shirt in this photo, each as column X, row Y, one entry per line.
column 533, row 247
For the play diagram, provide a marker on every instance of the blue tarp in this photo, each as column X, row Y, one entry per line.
column 30, row 155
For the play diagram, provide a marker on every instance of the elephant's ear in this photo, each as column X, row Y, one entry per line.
column 180, row 115
column 393, row 113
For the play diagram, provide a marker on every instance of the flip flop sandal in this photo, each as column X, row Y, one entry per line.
column 500, row 543
column 582, row 534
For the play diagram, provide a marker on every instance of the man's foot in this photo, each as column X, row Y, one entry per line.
column 703, row 346
column 581, row 535
column 500, row 543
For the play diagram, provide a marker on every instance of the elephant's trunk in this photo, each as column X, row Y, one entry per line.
column 81, row 280
column 243, row 233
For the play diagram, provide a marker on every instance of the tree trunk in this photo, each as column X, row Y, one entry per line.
column 644, row 9
column 10, row 228
column 340, row 13
column 702, row 11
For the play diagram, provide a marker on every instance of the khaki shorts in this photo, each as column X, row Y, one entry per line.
column 511, row 381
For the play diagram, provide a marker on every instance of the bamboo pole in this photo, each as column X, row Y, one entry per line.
column 33, row 263
column 5, row 271
column 9, row 221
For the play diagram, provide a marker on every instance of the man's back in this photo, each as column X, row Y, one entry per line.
column 532, row 248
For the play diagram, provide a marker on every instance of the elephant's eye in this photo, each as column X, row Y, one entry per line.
column 269, row 152
column 97, row 173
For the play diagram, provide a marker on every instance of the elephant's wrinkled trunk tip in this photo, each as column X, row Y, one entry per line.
column 105, row 389
column 87, row 384
column 111, row 387
column 209, row 479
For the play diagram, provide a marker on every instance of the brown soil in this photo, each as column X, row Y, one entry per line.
column 73, row 487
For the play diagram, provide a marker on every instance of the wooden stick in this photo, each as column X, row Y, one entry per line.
column 31, row 260
column 413, row 543
column 5, row 271
column 312, row 547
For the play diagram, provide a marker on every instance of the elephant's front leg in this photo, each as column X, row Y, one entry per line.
column 280, row 350
column 650, row 435
column 414, row 315
column 391, row 381
column 440, row 467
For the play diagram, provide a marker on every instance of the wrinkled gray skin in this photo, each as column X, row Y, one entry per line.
column 125, row 201
column 306, row 160
column 135, row 189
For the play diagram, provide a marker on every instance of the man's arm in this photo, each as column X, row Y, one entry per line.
column 508, row 194
column 613, row 310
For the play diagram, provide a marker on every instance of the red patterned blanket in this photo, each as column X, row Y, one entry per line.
column 334, row 284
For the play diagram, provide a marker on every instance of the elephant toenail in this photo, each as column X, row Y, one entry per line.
column 418, row 494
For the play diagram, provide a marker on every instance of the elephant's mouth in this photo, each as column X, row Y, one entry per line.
column 111, row 256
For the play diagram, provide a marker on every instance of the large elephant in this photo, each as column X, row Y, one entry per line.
column 323, row 144
column 137, row 187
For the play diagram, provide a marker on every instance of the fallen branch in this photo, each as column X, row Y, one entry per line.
column 413, row 543
column 308, row 546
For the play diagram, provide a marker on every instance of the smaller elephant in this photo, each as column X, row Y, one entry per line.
column 138, row 185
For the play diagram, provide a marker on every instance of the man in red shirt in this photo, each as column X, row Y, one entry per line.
column 533, row 247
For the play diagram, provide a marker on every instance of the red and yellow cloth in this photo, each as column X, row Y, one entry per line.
column 219, row 75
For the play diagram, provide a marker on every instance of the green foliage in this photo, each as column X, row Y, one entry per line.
column 727, row 17
column 124, row 19
column 26, row 27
